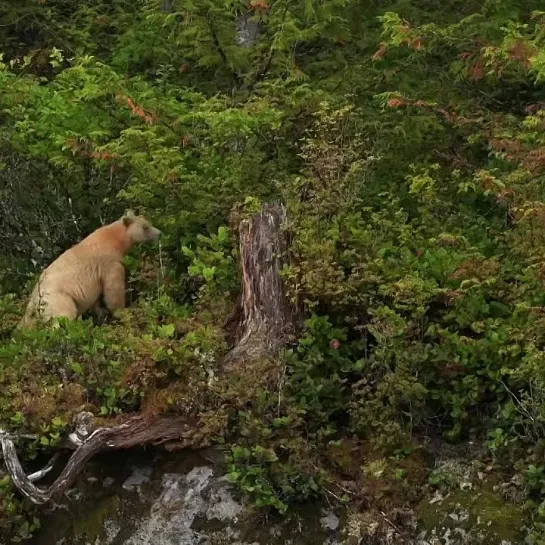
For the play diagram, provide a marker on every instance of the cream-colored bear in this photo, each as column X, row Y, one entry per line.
column 88, row 272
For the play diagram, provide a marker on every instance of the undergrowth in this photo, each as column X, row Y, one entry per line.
column 406, row 141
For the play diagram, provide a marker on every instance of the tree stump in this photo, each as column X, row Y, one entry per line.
column 265, row 318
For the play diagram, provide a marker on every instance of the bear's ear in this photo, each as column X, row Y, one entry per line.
column 128, row 218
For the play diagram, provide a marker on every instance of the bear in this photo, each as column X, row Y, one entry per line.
column 89, row 273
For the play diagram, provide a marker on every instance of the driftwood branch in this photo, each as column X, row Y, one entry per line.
column 38, row 475
column 264, row 321
column 135, row 431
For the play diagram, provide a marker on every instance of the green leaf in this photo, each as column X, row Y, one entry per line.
column 188, row 252
column 166, row 331
column 208, row 273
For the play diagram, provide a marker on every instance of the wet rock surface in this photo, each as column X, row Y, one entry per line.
column 183, row 498
column 177, row 499
column 470, row 510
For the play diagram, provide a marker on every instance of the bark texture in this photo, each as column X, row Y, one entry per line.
column 265, row 317
column 136, row 431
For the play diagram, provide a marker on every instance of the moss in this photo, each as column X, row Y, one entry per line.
column 92, row 525
column 482, row 513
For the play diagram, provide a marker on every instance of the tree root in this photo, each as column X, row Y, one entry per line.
column 135, row 431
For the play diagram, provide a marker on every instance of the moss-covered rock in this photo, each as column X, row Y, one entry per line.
column 471, row 516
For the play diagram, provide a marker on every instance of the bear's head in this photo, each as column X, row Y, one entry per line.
column 139, row 229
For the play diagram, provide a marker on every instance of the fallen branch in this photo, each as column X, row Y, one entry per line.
column 38, row 475
column 136, row 431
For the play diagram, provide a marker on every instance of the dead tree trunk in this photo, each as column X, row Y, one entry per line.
column 266, row 318
column 247, row 30
column 263, row 325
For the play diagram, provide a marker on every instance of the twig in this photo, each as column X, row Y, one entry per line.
column 389, row 521
column 518, row 402
column 220, row 50
column 280, row 386
column 33, row 477
column 334, row 495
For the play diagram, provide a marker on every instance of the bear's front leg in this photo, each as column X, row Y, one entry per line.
column 114, row 288
column 100, row 312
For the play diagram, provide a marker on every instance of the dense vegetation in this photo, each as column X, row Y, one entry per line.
column 407, row 140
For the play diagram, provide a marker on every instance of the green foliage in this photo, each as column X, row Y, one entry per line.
column 248, row 473
column 271, row 463
column 406, row 140
column 212, row 261
column 19, row 520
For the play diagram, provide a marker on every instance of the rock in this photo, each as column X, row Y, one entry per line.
column 247, row 30
column 139, row 476
column 329, row 520
column 177, row 498
column 108, row 481
column 478, row 517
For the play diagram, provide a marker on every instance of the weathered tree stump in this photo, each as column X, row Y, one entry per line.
column 265, row 317
column 264, row 322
